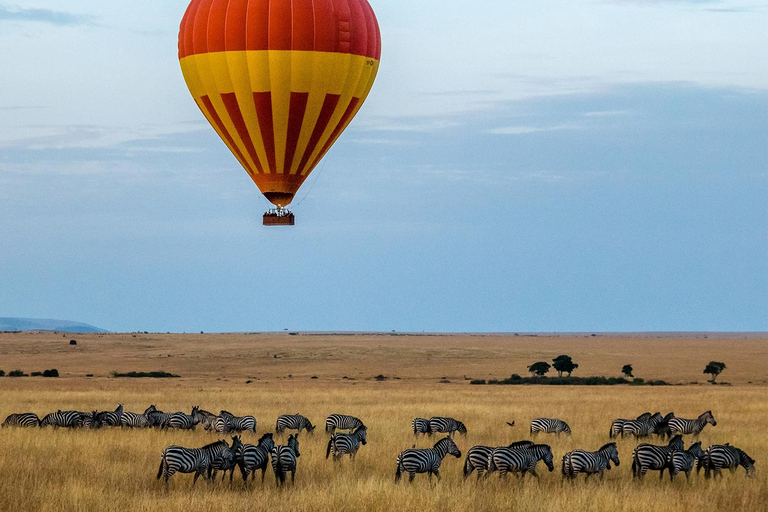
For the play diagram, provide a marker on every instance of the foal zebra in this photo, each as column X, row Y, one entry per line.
column 719, row 457
column 67, row 419
column 679, row 460
column 111, row 418
column 477, row 457
column 225, row 460
column 285, row 459
column 420, row 426
column 520, row 460
column 343, row 444
column 24, row 419
column 342, row 422
column 683, row 426
column 580, row 461
column 654, row 457
column 250, row 457
column 438, row 424
column 293, row 422
column 177, row 459
column 425, row 460
column 549, row 426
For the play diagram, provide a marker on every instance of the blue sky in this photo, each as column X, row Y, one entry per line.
column 519, row 166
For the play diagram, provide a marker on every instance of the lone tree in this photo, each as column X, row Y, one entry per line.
column 714, row 368
column 564, row 364
column 627, row 370
column 539, row 369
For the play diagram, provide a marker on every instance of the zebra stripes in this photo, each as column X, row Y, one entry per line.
column 65, row 419
column 134, row 420
column 342, row 422
column 285, row 459
column 425, row 460
column 478, row 456
column 178, row 459
column 89, row 420
column 653, row 457
column 227, row 422
column 439, row 424
column 225, row 460
column 24, row 419
column 420, row 426
column 293, row 422
column 580, row 461
column 520, row 460
column 250, row 457
column 346, row 444
column 722, row 456
column 549, row 426
column 684, row 426
column 183, row 421
column 641, row 428
column 111, row 418
column 618, row 424
column 683, row 460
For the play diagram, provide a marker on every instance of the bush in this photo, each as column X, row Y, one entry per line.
column 477, row 381
column 17, row 373
column 51, row 373
column 2, row 373
column 572, row 381
column 141, row 375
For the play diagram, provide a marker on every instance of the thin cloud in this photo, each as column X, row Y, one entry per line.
column 524, row 130
column 58, row 18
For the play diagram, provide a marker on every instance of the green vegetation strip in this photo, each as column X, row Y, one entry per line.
column 142, row 375
column 571, row 381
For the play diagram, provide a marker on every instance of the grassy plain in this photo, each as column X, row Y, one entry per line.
column 115, row 469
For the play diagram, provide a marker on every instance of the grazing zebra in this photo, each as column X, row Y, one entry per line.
column 158, row 419
column 285, row 459
column 580, row 461
column 183, row 421
column 250, row 457
column 721, row 456
column 641, row 428
column 177, row 459
column 420, row 426
column 342, row 444
column 679, row 460
column 67, row 419
column 683, row 426
column 448, row 426
column 111, row 418
column 523, row 460
column 342, row 422
column 293, row 422
column 618, row 425
column 654, row 457
column 425, row 460
column 206, row 419
column 225, row 460
column 662, row 427
column 134, row 420
column 228, row 422
column 90, row 420
column 549, row 426
column 24, row 419
column 477, row 457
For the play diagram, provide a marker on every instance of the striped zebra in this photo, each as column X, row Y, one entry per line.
column 520, row 460
column 24, row 419
column 549, row 426
column 157, row 418
column 178, row 459
column 618, row 424
column 425, row 460
column 420, row 426
column 654, row 457
column 227, row 422
column 225, row 460
column 134, row 420
column 342, row 422
column 641, row 428
column 683, row 426
column 111, row 418
column 723, row 456
column 438, row 424
column 477, row 457
column 89, row 420
column 293, row 422
column 679, row 460
column 285, row 459
column 183, row 421
column 580, row 461
column 66, row 419
column 662, row 427
column 250, row 457
column 342, row 444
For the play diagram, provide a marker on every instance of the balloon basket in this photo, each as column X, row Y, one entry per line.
column 279, row 217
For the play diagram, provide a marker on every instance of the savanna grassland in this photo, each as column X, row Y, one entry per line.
column 114, row 469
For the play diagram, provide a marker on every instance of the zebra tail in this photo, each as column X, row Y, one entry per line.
column 398, row 472
column 280, row 474
column 466, row 467
column 635, row 464
column 162, row 464
column 328, row 451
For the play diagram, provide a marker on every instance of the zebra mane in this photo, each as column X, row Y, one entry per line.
column 443, row 441
column 743, row 457
column 264, row 437
column 669, row 416
column 606, row 446
column 216, row 443
column 520, row 444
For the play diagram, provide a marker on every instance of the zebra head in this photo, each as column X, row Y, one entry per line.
column 676, row 443
column 196, row 415
column 362, row 434
column 611, row 452
column 461, row 428
column 748, row 463
column 293, row 444
column 236, row 444
column 707, row 416
column 544, row 451
column 695, row 450
column 266, row 442
column 310, row 427
column 150, row 409
column 446, row 446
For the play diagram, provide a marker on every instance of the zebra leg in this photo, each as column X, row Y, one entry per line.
column 293, row 477
column 602, row 475
column 437, row 474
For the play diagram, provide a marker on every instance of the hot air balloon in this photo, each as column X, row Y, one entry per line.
column 279, row 81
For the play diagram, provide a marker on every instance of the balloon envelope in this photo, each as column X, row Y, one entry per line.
column 279, row 80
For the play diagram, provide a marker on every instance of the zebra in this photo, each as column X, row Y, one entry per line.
column 580, row 461
column 90, row 420
column 342, row 444
column 420, row 426
column 425, row 460
column 183, row 421
column 293, row 422
column 285, row 459
column 24, row 419
column 654, row 457
column 157, row 418
column 618, row 424
column 641, row 428
column 720, row 456
column 134, row 420
column 228, row 422
column 477, row 457
column 549, row 426
column 448, row 426
column 662, row 427
column 111, row 418
column 342, row 422
column 250, row 457
column 522, row 460
column 679, row 460
column 225, row 460
column 67, row 419
column 683, row 426
column 177, row 459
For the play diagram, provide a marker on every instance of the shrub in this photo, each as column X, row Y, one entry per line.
column 140, row 375
column 17, row 373
column 2, row 373
column 51, row 373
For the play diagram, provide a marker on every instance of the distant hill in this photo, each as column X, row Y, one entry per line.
column 38, row 324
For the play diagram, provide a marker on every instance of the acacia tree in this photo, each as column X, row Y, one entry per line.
column 564, row 364
column 539, row 369
column 714, row 368
column 627, row 370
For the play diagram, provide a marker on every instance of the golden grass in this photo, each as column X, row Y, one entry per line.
column 113, row 469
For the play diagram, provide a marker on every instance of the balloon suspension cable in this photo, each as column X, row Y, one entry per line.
column 322, row 168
